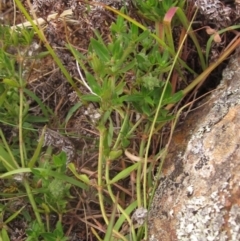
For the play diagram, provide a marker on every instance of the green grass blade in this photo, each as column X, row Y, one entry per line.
column 14, row 215
column 37, row 150
column 46, row 111
column 50, row 173
column 7, row 156
column 109, row 231
column 209, row 42
column 182, row 17
column 127, row 212
column 125, row 173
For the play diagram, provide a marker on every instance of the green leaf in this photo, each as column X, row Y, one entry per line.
column 3, row 93
column 72, row 111
column 124, row 173
column 143, row 36
column 120, row 87
column 97, row 65
column 90, row 98
column 48, row 236
column 46, row 111
column 4, row 235
column 134, row 32
column 168, row 91
column 128, row 66
column 109, row 231
column 7, row 160
column 14, row 215
column 11, row 82
column 146, row 109
column 101, row 50
column 119, row 26
column 113, row 155
column 60, row 159
column 93, row 83
column 127, row 212
column 125, row 143
column 81, row 177
column 36, row 119
column 117, row 50
column 173, row 99
column 132, row 98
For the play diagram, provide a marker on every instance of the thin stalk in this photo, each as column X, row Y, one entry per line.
column 116, row 203
column 136, row 125
column 140, row 169
column 101, row 160
column 14, row 162
column 20, row 124
column 32, row 201
column 20, row 117
column 123, row 126
column 206, row 73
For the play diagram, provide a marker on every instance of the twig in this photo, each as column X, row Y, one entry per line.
column 41, row 21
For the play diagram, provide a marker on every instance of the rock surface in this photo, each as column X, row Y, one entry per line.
column 198, row 198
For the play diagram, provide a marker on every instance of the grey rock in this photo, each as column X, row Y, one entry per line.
column 198, row 196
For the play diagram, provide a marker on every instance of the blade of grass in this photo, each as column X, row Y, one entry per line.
column 114, row 200
column 168, row 29
column 209, row 42
column 109, row 231
column 7, row 156
column 37, row 150
column 50, row 173
column 45, row 110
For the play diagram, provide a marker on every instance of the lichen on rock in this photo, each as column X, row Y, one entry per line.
column 198, row 195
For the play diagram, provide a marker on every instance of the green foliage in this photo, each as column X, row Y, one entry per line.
column 128, row 77
column 129, row 69
column 56, row 191
column 4, row 222
column 125, row 75
column 35, row 232
column 24, row 147
column 155, row 10
column 13, row 55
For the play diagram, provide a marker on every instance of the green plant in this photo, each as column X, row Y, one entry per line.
column 155, row 10
column 3, row 223
column 132, row 75
column 36, row 233
column 19, row 155
column 129, row 79
column 126, row 75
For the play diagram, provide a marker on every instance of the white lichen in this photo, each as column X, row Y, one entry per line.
column 234, row 222
column 202, row 218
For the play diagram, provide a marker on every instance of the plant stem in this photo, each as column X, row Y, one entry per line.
column 32, row 201
column 115, row 202
column 20, row 117
column 101, row 160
